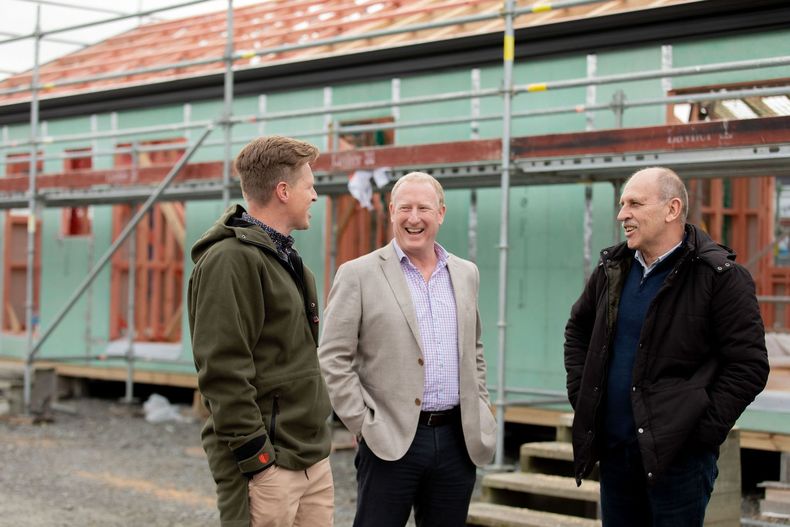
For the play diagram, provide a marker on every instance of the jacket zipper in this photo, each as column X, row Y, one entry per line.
column 275, row 411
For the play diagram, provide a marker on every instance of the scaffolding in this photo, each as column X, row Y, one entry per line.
column 477, row 163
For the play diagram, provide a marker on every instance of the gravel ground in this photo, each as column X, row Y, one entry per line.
column 105, row 465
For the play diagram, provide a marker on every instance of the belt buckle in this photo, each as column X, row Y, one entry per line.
column 430, row 419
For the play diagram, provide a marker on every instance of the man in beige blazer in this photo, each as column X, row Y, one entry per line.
column 403, row 361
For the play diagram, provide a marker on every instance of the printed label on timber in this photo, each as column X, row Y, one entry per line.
column 353, row 160
column 687, row 139
column 715, row 134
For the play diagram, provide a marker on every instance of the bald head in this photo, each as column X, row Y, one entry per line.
column 668, row 184
column 653, row 209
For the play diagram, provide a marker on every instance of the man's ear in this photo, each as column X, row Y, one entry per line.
column 281, row 191
column 675, row 207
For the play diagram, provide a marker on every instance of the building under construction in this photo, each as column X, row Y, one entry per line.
column 115, row 158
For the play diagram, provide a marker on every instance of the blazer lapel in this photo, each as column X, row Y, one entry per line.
column 461, row 296
column 397, row 282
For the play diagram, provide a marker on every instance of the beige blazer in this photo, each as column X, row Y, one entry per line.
column 371, row 355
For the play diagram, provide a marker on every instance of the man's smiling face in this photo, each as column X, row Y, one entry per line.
column 416, row 215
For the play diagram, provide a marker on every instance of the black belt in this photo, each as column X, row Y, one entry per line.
column 440, row 418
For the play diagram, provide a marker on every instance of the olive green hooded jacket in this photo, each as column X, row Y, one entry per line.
column 253, row 319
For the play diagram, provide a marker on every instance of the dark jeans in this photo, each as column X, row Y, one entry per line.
column 435, row 476
column 677, row 499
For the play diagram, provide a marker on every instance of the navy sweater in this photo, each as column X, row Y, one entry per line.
column 635, row 299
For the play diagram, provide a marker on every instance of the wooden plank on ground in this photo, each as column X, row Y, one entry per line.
column 494, row 515
column 183, row 380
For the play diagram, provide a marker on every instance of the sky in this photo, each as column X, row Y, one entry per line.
column 18, row 17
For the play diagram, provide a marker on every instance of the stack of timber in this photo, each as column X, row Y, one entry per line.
column 777, row 499
column 11, row 386
column 543, row 491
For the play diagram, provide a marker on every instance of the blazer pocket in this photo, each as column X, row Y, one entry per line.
column 487, row 420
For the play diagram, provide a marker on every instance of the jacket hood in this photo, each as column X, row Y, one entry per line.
column 715, row 254
column 698, row 244
column 230, row 225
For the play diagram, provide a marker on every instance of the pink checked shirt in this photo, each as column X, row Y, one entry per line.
column 434, row 304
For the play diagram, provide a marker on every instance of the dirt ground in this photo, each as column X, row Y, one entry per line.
column 104, row 465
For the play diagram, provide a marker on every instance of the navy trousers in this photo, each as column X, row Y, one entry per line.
column 677, row 499
column 436, row 477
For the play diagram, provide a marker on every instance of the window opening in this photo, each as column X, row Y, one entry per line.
column 15, row 273
column 76, row 221
column 160, row 238
column 740, row 212
column 360, row 230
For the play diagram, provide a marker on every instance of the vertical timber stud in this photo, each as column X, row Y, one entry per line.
column 227, row 127
column 31, row 216
column 507, row 99
column 474, row 134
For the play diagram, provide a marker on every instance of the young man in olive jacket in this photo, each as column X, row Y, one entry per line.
column 253, row 318
column 664, row 350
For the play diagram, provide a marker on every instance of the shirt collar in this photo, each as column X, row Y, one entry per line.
column 283, row 243
column 440, row 251
column 647, row 269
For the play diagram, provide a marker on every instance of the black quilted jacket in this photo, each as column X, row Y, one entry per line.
column 701, row 357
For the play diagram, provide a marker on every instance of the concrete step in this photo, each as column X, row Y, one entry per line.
column 545, row 485
column 492, row 515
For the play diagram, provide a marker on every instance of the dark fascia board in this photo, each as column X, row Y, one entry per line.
column 671, row 23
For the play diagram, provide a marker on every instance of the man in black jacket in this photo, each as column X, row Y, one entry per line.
column 664, row 350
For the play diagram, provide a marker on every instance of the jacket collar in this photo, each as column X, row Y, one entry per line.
column 245, row 231
column 698, row 245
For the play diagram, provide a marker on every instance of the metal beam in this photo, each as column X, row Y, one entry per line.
column 743, row 161
column 756, row 146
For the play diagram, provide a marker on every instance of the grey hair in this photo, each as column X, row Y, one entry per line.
column 419, row 177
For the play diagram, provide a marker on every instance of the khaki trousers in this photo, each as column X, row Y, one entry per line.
column 293, row 498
